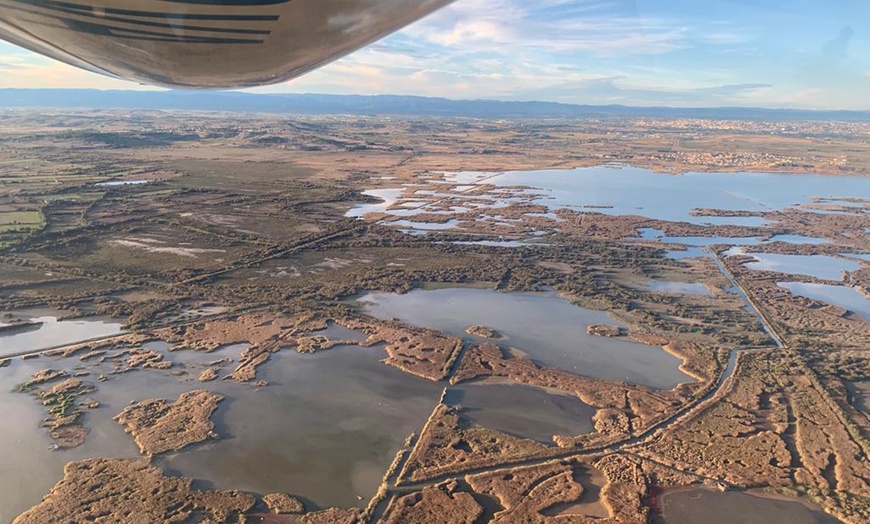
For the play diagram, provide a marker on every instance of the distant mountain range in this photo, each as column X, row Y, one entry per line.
column 312, row 104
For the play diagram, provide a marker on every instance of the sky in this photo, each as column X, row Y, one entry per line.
column 689, row 53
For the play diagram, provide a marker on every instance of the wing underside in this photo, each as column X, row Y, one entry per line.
column 204, row 43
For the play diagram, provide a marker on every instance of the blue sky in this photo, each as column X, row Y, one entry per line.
column 795, row 53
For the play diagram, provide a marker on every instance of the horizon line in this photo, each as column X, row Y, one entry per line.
column 171, row 92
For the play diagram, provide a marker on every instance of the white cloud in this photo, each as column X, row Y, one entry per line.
column 581, row 51
column 548, row 25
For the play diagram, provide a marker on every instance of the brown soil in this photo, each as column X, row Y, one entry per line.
column 64, row 422
column 526, row 493
column 207, row 375
column 45, row 375
column 605, row 489
column 441, row 504
column 423, row 352
column 249, row 360
column 114, row 490
column 284, row 246
column 146, row 358
column 604, row 331
column 447, row 446
column 283, row 503
column 626, row 408
column 262, row 330
column 332, row 516
column 483, row 332
column 159, row 426
column 771, row 427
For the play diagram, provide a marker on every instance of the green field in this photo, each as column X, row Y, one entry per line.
column 25, row 218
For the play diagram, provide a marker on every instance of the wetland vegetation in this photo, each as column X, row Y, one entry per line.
column 384, row 319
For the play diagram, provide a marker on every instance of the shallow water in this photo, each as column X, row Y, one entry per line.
column 53, row 332
column 122, row 183
column 691, row 252
column 339, row 332
column 843, row 296
column 522, row 411
column 326, row 428
column 389, row 197
column 700, row 506
column 649, row 233
column 626, row 190
column 550, row 330
column 468, row 178
column 798, row 239
column 860, row 395
column 819, row 266
column 424, row 226
column 632, row 190
column 28, row 469
column 500, row 243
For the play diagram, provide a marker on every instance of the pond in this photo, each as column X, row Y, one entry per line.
column 388, row 197
column 626, row 190
column 819, row 266
column 114, row 183
column 843, row 296
column 549, row 330
column 798, row 239
column 522, row 411
column 697, row 505
column 326, row 428
column 649, row 233
column 629, row 190
column 690, row 252
column 46, row 331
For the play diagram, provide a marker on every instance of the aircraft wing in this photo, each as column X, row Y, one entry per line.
column 204, row 43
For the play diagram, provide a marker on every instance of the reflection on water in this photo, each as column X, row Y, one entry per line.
column 53, row 332
column 28, row 469
column 467, row 178
column 425, row 226
column 637, row 191
column 338, row 332
column 798, row 239
column 650, row 233
column 843, row 296
column 122, row 183
column 819, row 266
column 860, row 392
column 325, row 429
column 522, row 411
column 550, row 330
column 624, row 190
column 691, row 252
column 388, row 196
column 694, row 506
column 497, row 243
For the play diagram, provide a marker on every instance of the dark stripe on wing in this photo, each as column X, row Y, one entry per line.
column 136, row 34
column 148, row 23
column 229, row 2
column 66, row 6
